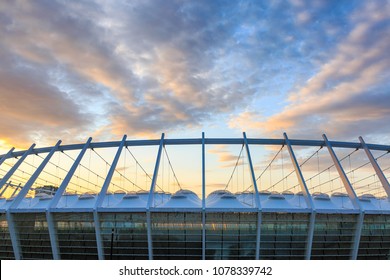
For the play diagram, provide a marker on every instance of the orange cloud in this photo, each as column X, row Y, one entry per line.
column 343, row 93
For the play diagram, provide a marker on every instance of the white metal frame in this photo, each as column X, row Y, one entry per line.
column 203, row 198
column 24, row 154
column 257, row 198
column 378, row 170
column 149, row 207
column 11, row 224
column 56, row 199
column 307, row 196
column 151, row 197
column 352, row 196
column 101, row 196
column 6, row 156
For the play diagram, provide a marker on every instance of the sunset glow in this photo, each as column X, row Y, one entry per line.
column 73, row 70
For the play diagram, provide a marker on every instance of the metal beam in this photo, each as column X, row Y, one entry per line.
column 257, row 197
column 151, row 198
column 310, row 235
column 347, row 185
column 307, row 196
column 378, row 170
column 352, row 196
column 6, row 156
column 57, row 196
column 16, row 166
column 358, row 233
column 149, row 234
column 68, row 176
column 194, row 141
column 203, row 198
column 100, row 199
column 155, row 174
column 203, row 173
column 53, row 235
column 14, row 236
column 252, row 172
column 99, row 241
column 203, row 234
column 258, row 234
column 298, row 172
column 13, row 230
column 110, row 173
column 33, row 178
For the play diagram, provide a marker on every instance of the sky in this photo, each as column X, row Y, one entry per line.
column 107, row 68
column 74, row 69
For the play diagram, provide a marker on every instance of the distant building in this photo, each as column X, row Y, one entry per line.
column 48, row 189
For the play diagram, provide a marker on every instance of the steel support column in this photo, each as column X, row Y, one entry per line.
column 16, row 166
column 26, row 188
column 151, row 198
column 68, row 177
column 257, row 196
column 347, row 185
column 100, row 198
column 203, row 198
column 351, row 193
column 53, row 236
column 6, row 156
column 149, row 234
column 310, row 235
column 14, row 236
column 106, row 184
column 358, row 234
column 258, row 234
column 11, row 224
column 306, row 193
column 56, row 199
column 252, row 172
column 378, row 170
column 298, row 172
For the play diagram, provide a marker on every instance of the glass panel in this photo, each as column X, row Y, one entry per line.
column 231, row 235
column 283, row 235
column 375, row 238
column 76, row 236
column 33, row 235
column 6, row 250
column 177, row 235
column 124, row 236
column 333, row 236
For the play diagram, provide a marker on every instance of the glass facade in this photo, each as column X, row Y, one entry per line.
column 177, row 236
column 124, row 236
column 6, row 250
column 333, row 236
column 33, row 236
column 283, row 236
column 231, row 236
column 375, row 238
column 76, row 236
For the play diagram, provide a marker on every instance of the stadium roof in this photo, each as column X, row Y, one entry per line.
column 345, row 201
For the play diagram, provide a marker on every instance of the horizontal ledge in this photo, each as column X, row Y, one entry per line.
column 197, row 210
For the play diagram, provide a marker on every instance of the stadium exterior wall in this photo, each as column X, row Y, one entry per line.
column 184, row 226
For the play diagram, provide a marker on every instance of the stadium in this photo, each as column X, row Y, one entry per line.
column 196, row 198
